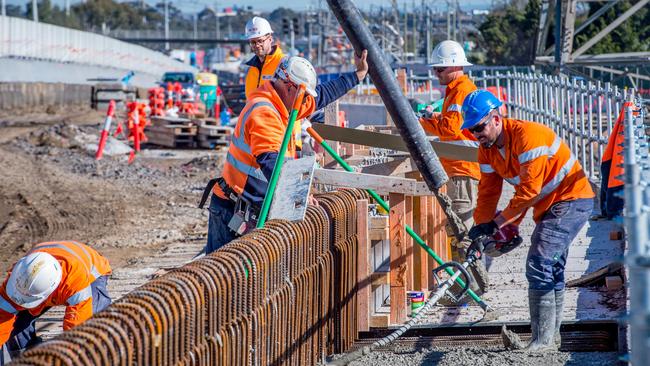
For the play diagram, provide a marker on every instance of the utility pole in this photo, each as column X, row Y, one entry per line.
column 166, row 24
column 428, row 24
column 35, row 10
column 67, row 8
column 4, row 7
column 291, row 33
column 216, row 17
column 195, row 16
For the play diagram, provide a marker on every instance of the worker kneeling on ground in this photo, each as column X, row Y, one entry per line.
column 547, row 177
column 448, row 62
column 51, row 274
column 256, row 140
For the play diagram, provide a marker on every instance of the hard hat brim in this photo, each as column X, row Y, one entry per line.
column 248, row 38
column 27, row 302
column 444, row 64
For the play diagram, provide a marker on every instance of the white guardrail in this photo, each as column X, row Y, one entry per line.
column 22, row 38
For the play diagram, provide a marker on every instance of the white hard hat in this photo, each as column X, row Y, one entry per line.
column 299, row 71
column 33, row 279
column 449, row 53
column 257, row 27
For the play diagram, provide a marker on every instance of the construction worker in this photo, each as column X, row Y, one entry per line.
column 266, row 60
column 261, row 68
column 256, row 141
column 548, row 178
column 51, row 274
column 448, row 62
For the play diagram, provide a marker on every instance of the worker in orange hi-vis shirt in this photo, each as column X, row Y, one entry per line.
column 448, row 62
column 548, row 178
column 51, row 274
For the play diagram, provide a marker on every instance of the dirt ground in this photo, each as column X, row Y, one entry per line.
column 51, row 188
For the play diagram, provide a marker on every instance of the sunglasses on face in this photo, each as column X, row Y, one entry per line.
column 439, row 70
column 478, row 128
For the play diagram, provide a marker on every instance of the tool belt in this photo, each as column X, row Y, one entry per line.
column 245, row 214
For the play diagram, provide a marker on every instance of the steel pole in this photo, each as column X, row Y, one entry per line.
column 398, row 107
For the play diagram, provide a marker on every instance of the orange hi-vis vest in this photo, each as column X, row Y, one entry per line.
column 540, row 166
column 81, row 266
column 260, row 128
column 259, row 73
column 447, row 128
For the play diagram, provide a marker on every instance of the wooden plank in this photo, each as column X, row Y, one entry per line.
column 419, row 255
column 398, row 259
column 382, row 185
column 430, row 238
column 379, row 278
column 379, row 234
column 392, row 142
column 331, row 112
column 379, row 321
column 363, row 266
column 408, row 220
column 214, row 130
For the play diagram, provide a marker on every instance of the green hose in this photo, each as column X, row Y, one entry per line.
column 385, row 206
column 288, row 134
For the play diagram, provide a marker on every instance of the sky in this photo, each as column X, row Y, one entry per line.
column 191, row 6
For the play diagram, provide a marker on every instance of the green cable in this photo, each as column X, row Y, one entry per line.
column 409, row 230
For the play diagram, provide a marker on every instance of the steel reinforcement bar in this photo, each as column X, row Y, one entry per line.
column 281, row 295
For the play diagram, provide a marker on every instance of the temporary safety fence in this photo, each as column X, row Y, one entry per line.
column 22, row 38
column 581, row 112
column 284, row 294
column 637, row 225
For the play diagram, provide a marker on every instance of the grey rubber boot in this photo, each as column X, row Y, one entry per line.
column 559, row 309
column 541, row 304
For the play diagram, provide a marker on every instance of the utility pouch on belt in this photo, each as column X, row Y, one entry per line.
column 244, row 217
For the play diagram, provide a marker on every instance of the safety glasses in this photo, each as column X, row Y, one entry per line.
column 439, row 70
column 479, row 127
column 255, row 42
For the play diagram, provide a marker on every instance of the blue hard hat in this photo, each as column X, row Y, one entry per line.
column 477, row 105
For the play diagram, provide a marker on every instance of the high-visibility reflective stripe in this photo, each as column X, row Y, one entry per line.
column 454, row 108
column 80, row 296
column 486, row 168
column 559, row 177
column 514, row 180
column 245, row 168
column 92, row 270
column 7, row 307
column 240, row 141
column 537, row 152
column 469, row 143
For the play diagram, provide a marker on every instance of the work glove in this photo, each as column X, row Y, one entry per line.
column 427, row 112
column 485, row 229
column 476, row 248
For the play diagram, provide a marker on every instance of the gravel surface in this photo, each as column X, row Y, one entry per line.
column 53, row 189
column 483, row 357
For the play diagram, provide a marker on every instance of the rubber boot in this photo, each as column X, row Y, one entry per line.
column 559, row 309
column 541, row 304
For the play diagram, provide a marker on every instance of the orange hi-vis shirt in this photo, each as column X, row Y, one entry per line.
column 81, row 265
column 259, row 73
column 260, row 128
column 540, row 166
column 447, row 127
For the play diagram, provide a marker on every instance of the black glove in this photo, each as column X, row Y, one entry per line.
column 485, row 229
column 476, row 248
